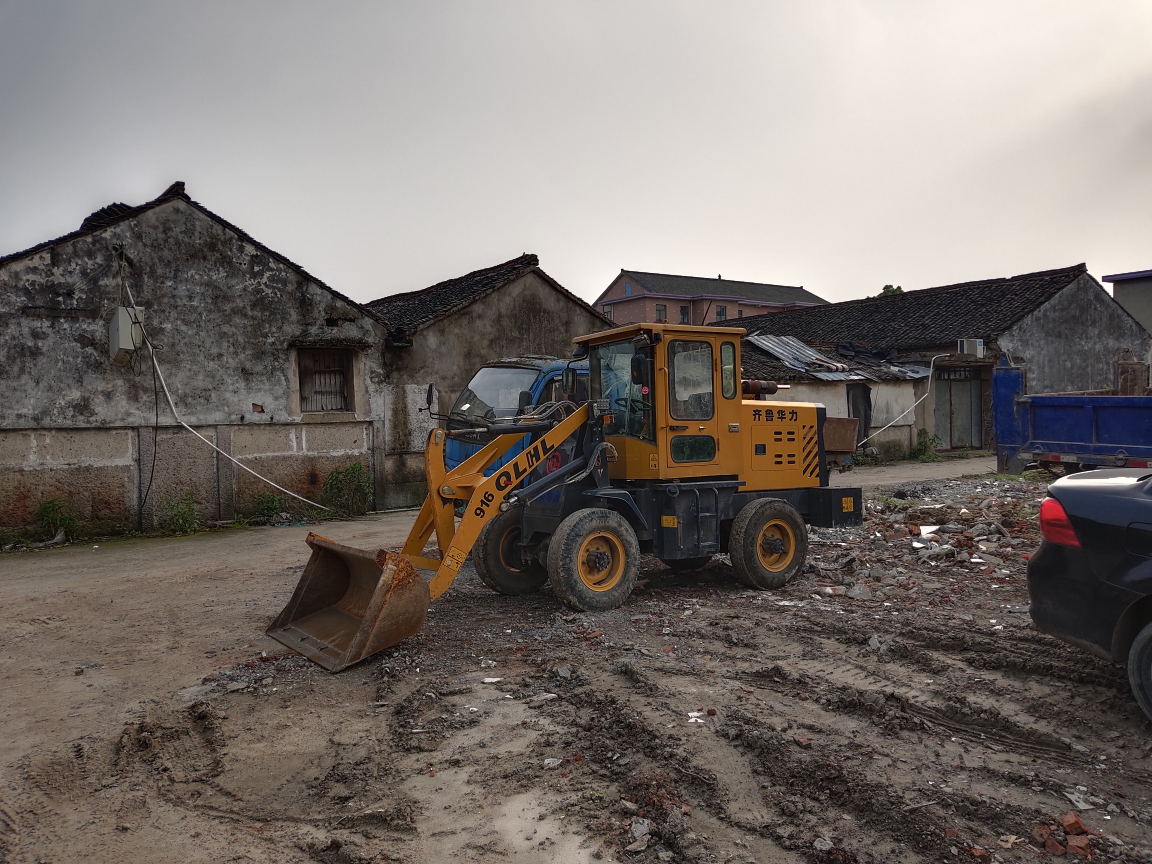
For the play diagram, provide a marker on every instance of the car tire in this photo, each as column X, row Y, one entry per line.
column 496, row 557
column 1140, row 669
column 593, row 560
column 768, row 544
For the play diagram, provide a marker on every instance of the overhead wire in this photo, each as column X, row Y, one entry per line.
column 172, row 406
column 914, row 404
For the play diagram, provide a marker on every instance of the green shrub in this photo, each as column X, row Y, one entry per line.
column 348, row 490
column 51, row 516
column 267, row 504
column 179, row 515
column 926, row 447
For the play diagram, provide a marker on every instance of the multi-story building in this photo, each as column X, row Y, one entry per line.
column 634, row 297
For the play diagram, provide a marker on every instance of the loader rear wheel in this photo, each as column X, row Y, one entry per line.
column 593, row 560
column 768, row 544
column 496, row 557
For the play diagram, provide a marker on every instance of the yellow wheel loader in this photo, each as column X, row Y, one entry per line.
column 673, row 455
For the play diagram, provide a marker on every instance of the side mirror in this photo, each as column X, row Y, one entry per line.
column 569, row 381
column 431, row 395
column 525, row 401
column 639, row 369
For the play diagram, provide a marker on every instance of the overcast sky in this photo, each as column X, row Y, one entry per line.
column 388, row 146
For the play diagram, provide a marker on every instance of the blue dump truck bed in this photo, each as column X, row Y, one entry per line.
column 1073, row 429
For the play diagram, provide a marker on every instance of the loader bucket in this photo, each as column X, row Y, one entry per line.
column 349, row 604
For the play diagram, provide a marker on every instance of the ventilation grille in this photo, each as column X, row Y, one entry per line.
column 811, row 449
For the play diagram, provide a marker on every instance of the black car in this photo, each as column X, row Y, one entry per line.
column 1091, row 579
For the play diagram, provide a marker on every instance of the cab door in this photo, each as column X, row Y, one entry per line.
column 689, row 437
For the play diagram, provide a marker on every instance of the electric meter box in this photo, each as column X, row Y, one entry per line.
column 125, row 334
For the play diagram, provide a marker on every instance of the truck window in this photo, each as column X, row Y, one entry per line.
column 728, row 369
column 690, row 383
column 492, row 394
column 610, row 377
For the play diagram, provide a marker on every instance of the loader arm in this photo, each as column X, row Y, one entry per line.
column 484, row 495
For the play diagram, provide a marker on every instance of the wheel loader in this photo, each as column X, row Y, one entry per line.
column 673, row 455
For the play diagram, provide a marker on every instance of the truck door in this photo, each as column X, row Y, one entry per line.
column 690, row 437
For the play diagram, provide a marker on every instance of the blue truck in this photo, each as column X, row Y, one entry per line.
column 500, row 390
column 1076, row 431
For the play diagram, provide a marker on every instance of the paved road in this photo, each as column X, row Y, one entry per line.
column 914, row 472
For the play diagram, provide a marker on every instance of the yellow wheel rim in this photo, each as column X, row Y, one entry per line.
column 600, row 561
column 776, row 545
column 507, row 543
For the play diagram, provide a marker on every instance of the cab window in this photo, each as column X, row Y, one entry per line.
column 728, row 369
column 610, row 368
column 690, row 385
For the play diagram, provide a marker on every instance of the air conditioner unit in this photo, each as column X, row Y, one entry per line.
column 125, row 334
column 971, row 346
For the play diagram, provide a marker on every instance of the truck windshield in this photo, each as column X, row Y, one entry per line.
column 492, row 394
column 610, row 377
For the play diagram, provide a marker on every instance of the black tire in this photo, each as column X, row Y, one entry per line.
column 1140, row 669
column 606, row 574
column 768, row 544
column 497, row 560
column 683, row 565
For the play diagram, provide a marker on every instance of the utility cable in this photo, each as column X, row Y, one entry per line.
column 172, row 406
column 914, row 404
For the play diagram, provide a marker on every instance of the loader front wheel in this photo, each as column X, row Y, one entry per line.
column 768, row 544
column 593, row 560
column 496, row 557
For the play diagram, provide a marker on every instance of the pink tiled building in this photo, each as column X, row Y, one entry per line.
column 636, row 297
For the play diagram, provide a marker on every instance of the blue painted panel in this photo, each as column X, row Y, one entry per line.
column 1061, row 423
column 1123, row 425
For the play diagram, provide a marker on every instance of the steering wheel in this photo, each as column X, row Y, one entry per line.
column 635, row 406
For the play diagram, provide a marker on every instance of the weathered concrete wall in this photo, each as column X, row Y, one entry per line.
column 1070, row 343
column 527, row 316
column 92, row 471
column 225, row 312
column 230, row 318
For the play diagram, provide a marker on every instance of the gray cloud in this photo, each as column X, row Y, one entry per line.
column 388, row 146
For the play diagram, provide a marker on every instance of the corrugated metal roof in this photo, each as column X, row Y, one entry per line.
column 796, row 355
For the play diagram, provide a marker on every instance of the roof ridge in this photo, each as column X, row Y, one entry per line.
column 709, row 279
column 530, row 260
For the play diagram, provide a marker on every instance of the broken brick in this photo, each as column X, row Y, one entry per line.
column 1040, row 834
column 980, row 855
column 1072, row 824
column 1052, row 847
column 951, row 833
column 802, row 742
column 1079, row 844
column 711, row 712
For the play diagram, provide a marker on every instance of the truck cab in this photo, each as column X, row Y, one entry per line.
column 498, row 391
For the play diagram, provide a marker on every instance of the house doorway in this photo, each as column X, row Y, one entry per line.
column 959, row 408
column 860, row 406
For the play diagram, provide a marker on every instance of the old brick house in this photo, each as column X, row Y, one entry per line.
column 277, row 369
column 634, row 297
column 1061, row 323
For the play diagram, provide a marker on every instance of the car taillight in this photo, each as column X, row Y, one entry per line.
column 1054, row 524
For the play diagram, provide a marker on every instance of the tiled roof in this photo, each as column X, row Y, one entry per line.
column 695, row 286
column 759, row 362
column 413, row 310
column 113, row 214
column 922, row 319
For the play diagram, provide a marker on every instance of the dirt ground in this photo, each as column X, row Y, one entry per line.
column 893, row 704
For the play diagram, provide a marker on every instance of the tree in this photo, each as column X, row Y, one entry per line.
column 889, row 290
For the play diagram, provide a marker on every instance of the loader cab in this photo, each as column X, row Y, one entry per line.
column 673, row 393
column 501, row 390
